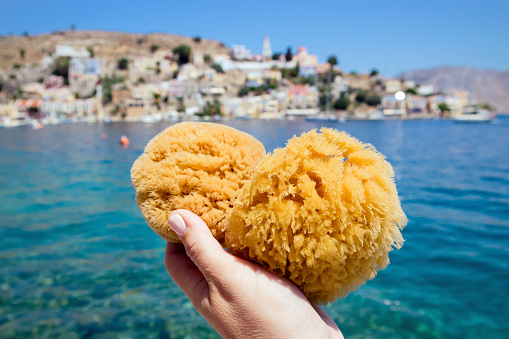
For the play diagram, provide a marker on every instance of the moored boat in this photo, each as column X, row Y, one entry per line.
column 480, row 115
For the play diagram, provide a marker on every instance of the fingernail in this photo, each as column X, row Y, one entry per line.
column 177, row 224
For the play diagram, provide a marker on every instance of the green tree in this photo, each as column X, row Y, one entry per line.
column 139, row 41
column 295, row 71
column 289, row 55
column 243, row 92
column 184, row 52
column 22, row 53
column 210, row 109
column 276, row 56
column 180, row 105
column 207, row 58
column 107, row 84
column 373, row 100
column 91, row 51
column 488, row 107
column 217, row 67
column 123, row 64
column 61, row 67
column 411, row 91
column 39, row 80
column 332, row 61
column 157, row 99
column 197, row 39
column 374, row 73
column 154, row 48
column 444, row 107
column 305, row 80
column 361, row 96
column 342, row 103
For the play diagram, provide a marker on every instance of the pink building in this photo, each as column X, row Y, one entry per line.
column 54, row 81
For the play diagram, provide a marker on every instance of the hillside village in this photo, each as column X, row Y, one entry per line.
column 194, row 78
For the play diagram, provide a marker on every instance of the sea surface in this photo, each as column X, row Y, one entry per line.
column 78, row 261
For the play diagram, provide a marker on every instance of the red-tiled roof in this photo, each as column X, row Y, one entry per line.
column 300, row 90
column 28, row 103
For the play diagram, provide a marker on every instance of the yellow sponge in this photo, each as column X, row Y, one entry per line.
column 322, row 212
column 195, row 166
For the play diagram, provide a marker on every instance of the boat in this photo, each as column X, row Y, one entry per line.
column 480, row 115
column 37, row 125
column 152, row 119
column 323, row 117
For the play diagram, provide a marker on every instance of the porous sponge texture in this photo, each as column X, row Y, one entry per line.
column 196, row 166
column 322, row 212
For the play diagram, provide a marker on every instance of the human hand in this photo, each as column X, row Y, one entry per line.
column 238, row 298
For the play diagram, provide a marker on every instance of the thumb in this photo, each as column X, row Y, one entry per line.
column 201, row 247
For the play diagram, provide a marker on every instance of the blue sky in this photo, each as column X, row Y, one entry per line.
column 390, row 35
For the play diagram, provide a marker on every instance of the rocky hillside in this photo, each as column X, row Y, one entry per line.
column 31, row 49
column 484, row 85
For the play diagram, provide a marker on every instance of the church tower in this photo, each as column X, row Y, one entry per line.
column 266, row 50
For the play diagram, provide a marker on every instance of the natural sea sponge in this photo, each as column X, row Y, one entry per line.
column 196, row 166
column 322, row 212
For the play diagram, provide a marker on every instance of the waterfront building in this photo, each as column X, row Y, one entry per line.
column 76, row 67
column 72, row 52
column 416, row 104
column 176, row 89
column 136, row 107
column 426, row 89
column 240, row 52
column 9, row 113
column 302, row 99
column 339, row 85
column 392, row 106
column 120, row 94
column 54, row 81
column 29, row 107
column 198, row 58
column 190, row 89
column 409, row 84
column 93, row 66
column 392, row 85
column 33, row 90
column 232, row 106
column 79, row 109
column 264, row 74
column 304, row 58
column 84, row 84
column 188, row 72
column 307, row 70
column 322, row 68
column 145, row 92
column 361, row 81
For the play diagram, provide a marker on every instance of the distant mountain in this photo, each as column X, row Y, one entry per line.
column 484, row 85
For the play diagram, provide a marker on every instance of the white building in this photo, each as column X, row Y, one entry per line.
column 240, row 52
column 426, row 89
column 72, row 52
column 266, row 49
column 198, row 58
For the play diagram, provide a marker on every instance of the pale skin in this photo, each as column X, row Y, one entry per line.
column 238, row 298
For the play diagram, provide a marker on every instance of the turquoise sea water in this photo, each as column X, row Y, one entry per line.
column 77, row 260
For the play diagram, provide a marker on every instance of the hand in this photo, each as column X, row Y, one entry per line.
column 238, row 298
